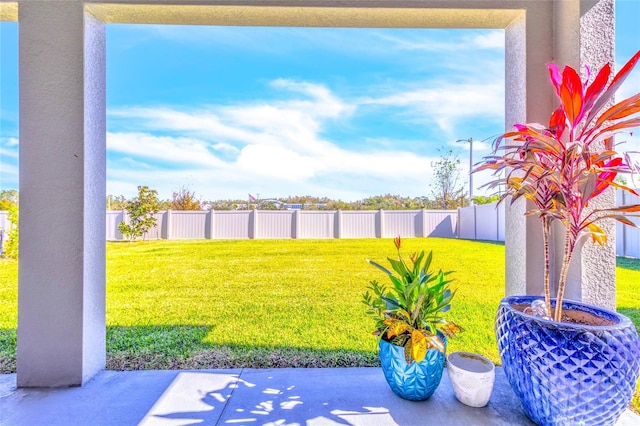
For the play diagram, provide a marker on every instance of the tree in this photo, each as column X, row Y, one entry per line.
column 9, row 202
column 480, row 199
column 140, row 210
column 446, row 187
column 184, row 199
column 116, row 202
column 8, row 199
column 11, row 246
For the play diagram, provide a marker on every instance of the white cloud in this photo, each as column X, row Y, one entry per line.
column 428, row 42
column 8, row 163
column 9, row 148
column 350, row 41
column 446, row 104
column 278, row 147
column 489, row 40
column 8, row 175
column 177, row 150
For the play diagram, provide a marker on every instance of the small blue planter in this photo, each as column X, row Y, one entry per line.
column 568, row 374
column 415, row 382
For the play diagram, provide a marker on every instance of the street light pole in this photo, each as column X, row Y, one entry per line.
column 470, row 142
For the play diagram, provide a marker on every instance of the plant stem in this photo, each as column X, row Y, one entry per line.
column 546, row 230
column 566, row 260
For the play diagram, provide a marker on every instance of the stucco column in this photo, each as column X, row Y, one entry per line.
column 61, row 305
column 598, row 264
column 568, row 32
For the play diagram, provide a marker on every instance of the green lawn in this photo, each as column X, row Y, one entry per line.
column 273, row 303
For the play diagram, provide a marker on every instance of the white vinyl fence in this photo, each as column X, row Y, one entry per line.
column 4, row 220
column 627, row 237
column 482, row 222
column 4, row 229
column 278, row 224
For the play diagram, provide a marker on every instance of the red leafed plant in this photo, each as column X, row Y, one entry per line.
column 563, row 166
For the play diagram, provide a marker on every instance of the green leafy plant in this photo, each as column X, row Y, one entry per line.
column 141, row 210
column 409, row 314
column 11, row 247
column 562, row 167
column 9, row 202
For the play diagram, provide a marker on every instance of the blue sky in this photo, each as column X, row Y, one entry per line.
column 342, row 113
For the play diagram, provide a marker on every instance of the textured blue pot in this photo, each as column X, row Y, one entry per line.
column 568, row 374
column 415, row 382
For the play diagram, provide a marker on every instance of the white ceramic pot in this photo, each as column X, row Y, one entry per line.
column 472, row 377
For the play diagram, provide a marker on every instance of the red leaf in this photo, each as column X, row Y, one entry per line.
column 605, row 178
column 555, row 76
column 620, row 110
column 610, row 130
column 597, row 87
column 626, row 209
column 613, row 87
column 571, row 95
column 558, row 122
column 626, row 69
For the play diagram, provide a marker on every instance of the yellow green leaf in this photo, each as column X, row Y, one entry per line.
column 597, row 234
column 450, row 328
column 418, row 345
column 395, row 327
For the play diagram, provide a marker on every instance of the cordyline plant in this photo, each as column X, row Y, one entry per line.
column 410, row 313
column 563, row 166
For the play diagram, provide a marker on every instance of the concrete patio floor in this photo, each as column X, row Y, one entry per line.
column 331, row 396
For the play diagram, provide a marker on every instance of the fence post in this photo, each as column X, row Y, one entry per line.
column 338, row 224
column 424, row 223
column 169, row 221
column 253, row 224
column 497, row 223
column 475, row 223
column 380, row 224
column 296, row 224
column 212, row 224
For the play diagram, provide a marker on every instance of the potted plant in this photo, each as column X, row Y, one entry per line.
column 408, row 315
column 569, row 362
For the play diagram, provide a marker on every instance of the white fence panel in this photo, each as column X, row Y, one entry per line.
column 467, row 223
column 631, row 237
column 482, row 222
column 501, row 221
column 159, row 231
column 4, row 229
column 486, row 222
column 442, row 224
column 233, row 224
column 627, row 238
column 186, row 225
column 275, row 224
column 405, row 223
column 4, row 221
column 360, row 224
column 114, row 217
column 620, row 231
column 317, row 224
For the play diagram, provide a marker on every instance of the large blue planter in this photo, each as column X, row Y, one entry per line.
column 415, row 382
column 568, row 374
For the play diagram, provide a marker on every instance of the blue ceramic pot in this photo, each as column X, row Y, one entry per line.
column 564, row 373
column 415, row 382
